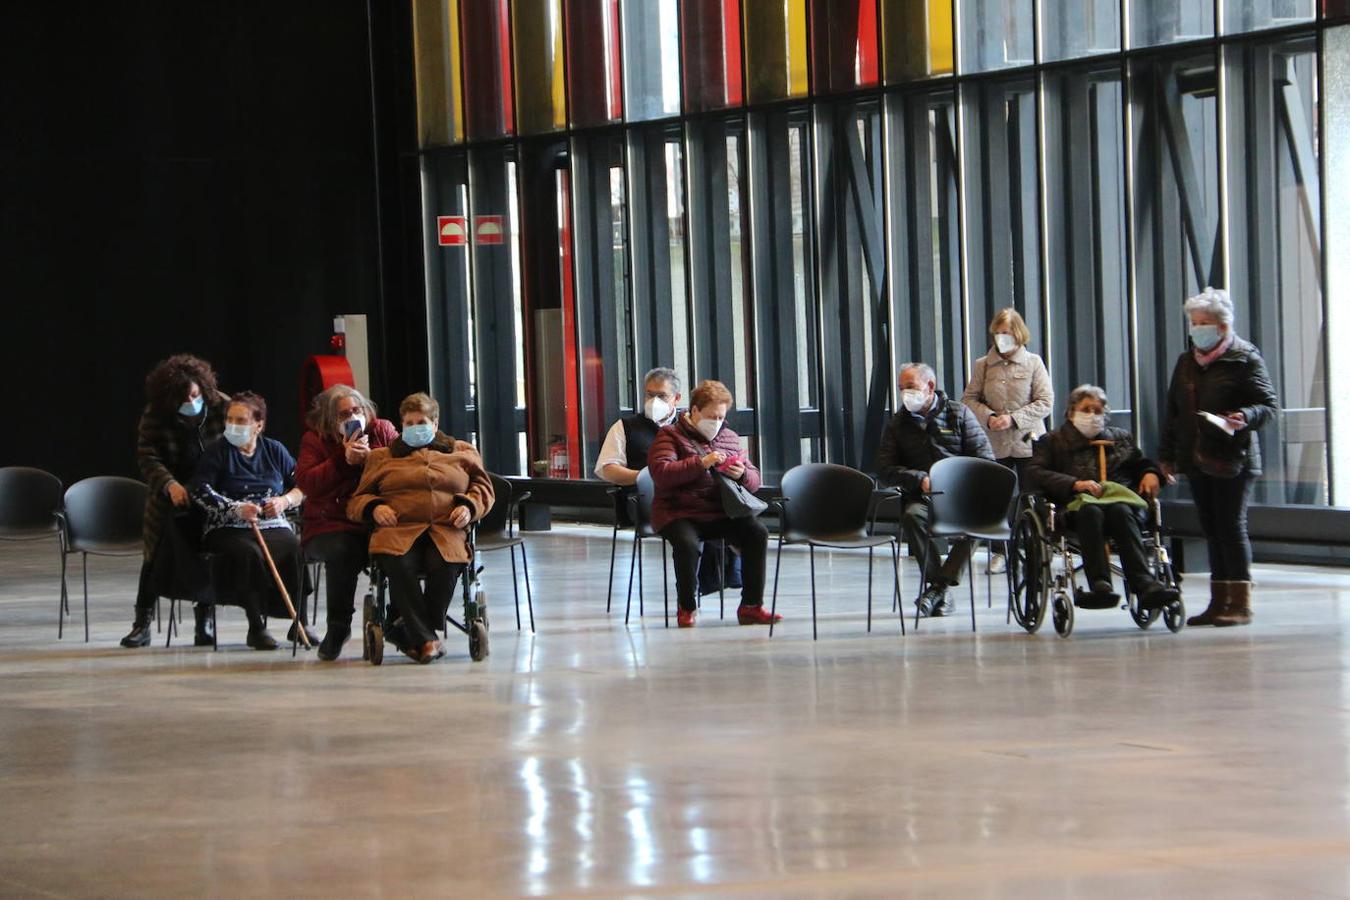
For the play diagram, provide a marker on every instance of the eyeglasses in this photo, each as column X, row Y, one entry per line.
column 348, row 413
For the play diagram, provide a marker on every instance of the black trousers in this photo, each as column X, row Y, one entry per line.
column 1221, row 504
column 914, row 522
column 344, row 555
column 252, row 585
column 749, row 534
column 422, row 607
column 1095, row 523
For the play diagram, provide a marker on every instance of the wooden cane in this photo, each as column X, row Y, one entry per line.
column 281, row 585
column 1101, row 468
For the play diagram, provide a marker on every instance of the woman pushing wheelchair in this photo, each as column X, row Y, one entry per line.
column 1067, row 466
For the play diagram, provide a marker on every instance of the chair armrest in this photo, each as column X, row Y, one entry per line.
column 781, row 504
column 891, row 496
column 513, row 512
column 62, row 529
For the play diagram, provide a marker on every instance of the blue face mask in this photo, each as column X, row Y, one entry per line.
column 192, row 407
column 418, row 435
column 238, row 435
column 1205, row 337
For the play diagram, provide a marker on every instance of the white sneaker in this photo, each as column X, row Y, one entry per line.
column 998, row 564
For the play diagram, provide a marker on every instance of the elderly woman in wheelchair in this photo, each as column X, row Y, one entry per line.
column 1096, row 485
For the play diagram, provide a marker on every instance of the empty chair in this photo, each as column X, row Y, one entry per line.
column 497, row 531
column 970, row 498
column 103, row 516
column 826, row 505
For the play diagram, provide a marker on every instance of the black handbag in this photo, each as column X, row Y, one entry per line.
column 737, row 501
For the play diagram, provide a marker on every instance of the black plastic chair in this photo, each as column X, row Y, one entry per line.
column 969, row 499
column 103, row 516
column 497, row 531
column 640, row 511
column 826, row 505
column 29, row 502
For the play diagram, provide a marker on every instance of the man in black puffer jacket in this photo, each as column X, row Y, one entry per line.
column 929, row 428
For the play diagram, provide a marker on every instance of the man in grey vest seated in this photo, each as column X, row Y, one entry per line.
column 624, row 454
column 930, row 427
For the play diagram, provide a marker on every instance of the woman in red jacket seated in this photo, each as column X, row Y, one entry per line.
column 343, row 429
column 687, row 507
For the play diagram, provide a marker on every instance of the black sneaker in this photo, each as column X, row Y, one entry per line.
column 260, row 640
column 945, row 606
column 931, row 600
column 1160, row 596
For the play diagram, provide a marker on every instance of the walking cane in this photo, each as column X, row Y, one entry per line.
column 1101, row 468
column 281, row 585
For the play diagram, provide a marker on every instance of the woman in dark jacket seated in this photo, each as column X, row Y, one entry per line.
column 1065, row 466
column 184, row 414
column 343, row 430
column 421, row 493
column 687, row 507
column 243, row 480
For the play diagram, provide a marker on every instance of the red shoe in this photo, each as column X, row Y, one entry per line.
column 685, row 617
column 756, row 615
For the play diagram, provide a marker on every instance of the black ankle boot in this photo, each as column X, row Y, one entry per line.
column 139, row 636
column 331, row 646
column 204, row 632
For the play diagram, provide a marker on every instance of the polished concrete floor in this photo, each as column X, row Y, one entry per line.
column 594, row 759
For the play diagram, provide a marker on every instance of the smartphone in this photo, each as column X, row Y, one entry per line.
column 352, row 428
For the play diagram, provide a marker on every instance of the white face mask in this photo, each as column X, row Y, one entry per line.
column 914, row 400
column 657, row 409
column 1005, row 343
column 708, row 428
column 238, row 435
column 1090, row 424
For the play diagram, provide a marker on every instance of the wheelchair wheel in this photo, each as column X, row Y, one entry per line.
column 374, row 644
column 1142, row 617
column 1030, row 565
column 478, row 641
column 1174, row 616
column 1062, row 613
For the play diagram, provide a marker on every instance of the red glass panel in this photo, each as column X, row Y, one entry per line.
column 843, row 44
column 710, row 32
column 488, row 106
column 594, row 94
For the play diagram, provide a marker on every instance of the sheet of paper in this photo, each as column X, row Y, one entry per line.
column 1218, row 422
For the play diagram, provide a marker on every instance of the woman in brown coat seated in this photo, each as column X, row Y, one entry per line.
column 1066, row 467
column 687, row 507
column 421, row 493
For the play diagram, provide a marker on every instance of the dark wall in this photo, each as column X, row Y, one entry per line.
column 195, row 177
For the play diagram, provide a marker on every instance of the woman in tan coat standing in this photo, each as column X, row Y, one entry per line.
column 421, row 493
column 1010, row 394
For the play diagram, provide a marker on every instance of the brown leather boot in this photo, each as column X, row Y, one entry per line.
column 1218, row 602
column 1238, row 610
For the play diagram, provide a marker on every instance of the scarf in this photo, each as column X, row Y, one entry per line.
column 1205, row 358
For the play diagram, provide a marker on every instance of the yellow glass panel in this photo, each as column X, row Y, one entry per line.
column 436, row 64
column 537, row 38
column 774, row 34
column 798, row 79
column 916, row 39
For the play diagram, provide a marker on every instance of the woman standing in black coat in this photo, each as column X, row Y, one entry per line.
column 1219, row 396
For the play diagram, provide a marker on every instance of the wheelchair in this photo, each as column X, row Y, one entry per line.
column 375, row 609
column 1043, row 566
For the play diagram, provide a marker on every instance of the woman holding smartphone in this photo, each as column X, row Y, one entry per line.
column 343, row 429
column 688, row 509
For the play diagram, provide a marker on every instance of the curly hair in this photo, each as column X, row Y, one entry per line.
column 710, row 393
column 257, row 406
column 167, row 385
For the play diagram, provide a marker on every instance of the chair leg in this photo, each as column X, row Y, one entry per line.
column 64, row 608
column 515, row 586
column 970, row 573
column 318, row 584
column 632, row 564
column 613, row 549
column 778, row 564
column 988, row 577
column 215, row 630
column 812, row 549
column 895, row 570
column 722, row 588
column 85, row 568
column 159, row 613
column 870, row 552
column 665, row 583
column 641, row 608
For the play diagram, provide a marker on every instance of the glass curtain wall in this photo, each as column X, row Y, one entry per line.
column 797, row 197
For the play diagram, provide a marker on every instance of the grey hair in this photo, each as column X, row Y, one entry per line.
column 1083, row 392
column 1214, row 301
column 322, row 417
column 663, row 374
column 924, row 369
